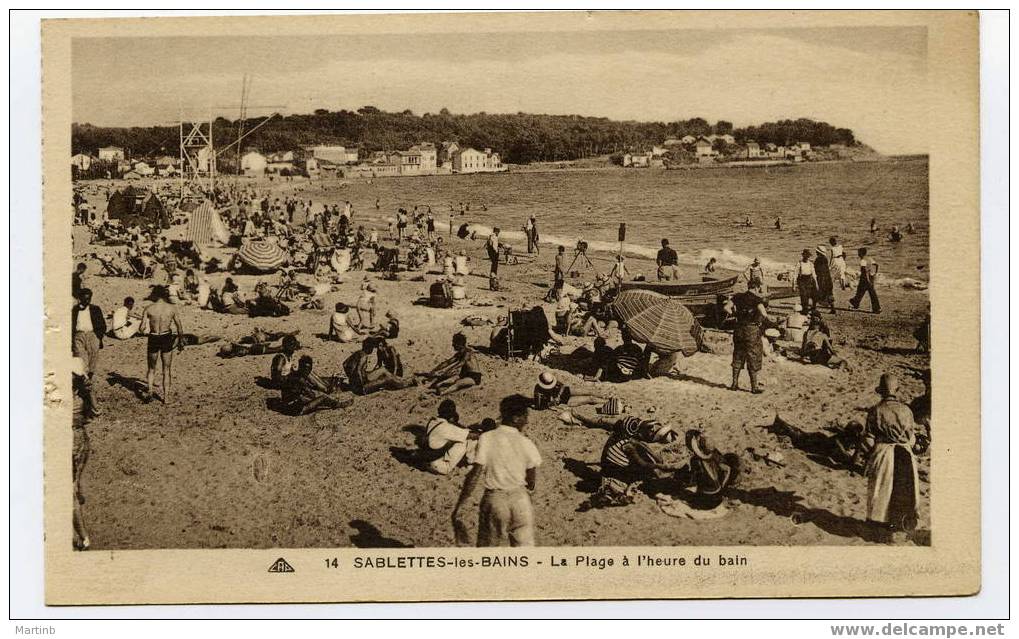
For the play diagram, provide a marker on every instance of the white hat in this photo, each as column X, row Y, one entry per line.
column 546, row 380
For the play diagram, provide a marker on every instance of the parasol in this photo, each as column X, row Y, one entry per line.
column 262, row 256
column 660, row 321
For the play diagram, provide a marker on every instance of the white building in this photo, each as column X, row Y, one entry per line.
column 253, row 163
column 429, row 157
column 82, row 160
column 111, row 153
column 334, row 153
column 470, row 160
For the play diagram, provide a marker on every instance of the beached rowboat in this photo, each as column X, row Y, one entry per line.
column 708, row 286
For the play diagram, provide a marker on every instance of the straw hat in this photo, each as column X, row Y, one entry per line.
column 888, row 385
column 773, row 333
column 546, row 380
column 697, row 444
column 660, row 432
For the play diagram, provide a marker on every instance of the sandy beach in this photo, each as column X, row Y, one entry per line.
column 182, row 475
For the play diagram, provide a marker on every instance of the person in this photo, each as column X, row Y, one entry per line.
column 837, row 264
column 430, row 225
column 668, row 262
column 550, row 393
column 710, row 266
column 619, row 272
column 626, row 361
column 83, row 409
column 747, row 349
column 124, row 325
column 558, row 274
column 710, row 473
column 796, row 325
column 190, row 288
column 492, row 248
column 627, row 460
column 401, row 224
column 203, row 294
column 456, row 373
column 88, row 327
column 600, row 361
column 447, row 266
column 895, row 235
column 285, row 362
column 922, row 333
column 161, row 318
column 341, row 326
column 822, row 276
column 366, row 306
column 304, row 391
column 564, row 310
column 818, row 349
column 873, row 225
column 868, row 273
column 506, row 464
column 367, row 373
column 76, row 279
column 446, row 442
column 806, row 282
column 531, row 231
column 755, row 275
column 778, row 223
column 460, row 264
column 892, row 482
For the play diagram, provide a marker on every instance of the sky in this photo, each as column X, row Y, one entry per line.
column 869, row 79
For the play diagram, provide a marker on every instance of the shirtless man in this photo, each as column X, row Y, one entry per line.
column 160, row 317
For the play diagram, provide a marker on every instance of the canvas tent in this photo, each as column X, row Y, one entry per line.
column 134, row 206
column 204, row 226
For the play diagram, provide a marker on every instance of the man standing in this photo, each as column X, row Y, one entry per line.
column 161, row 317
column 558, row 275
column 493, row 251
column 506, row 462
column 88, row 326
column 668, row 262
column 747, row 349
column 892, row 484
column 868, row 272
column 76, row 279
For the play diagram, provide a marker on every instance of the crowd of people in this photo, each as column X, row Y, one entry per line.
column 503, row 461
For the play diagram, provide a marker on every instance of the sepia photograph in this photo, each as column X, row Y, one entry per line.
column 396, row 285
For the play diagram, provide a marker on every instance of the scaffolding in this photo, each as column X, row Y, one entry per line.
column 197, row 158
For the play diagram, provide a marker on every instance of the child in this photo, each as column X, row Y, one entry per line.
column 340, row 326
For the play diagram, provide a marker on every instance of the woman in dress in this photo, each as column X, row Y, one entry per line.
column 822, row 274
column 837, row 263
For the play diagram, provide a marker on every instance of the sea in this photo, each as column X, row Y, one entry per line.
column 701, row 211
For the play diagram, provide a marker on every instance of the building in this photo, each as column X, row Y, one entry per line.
column 82, row 161
column 637, row 160
column 687, row 140
column 470, row 160
column 111, row 154
column 409, row 162
column 280, row 167
column 429, row 157
column 658, row 151
column 335, row 154
column 281, row 156
column 753, row 150
column 669, row 142
column 703, row 148
column 143, row 169
column 253, row 163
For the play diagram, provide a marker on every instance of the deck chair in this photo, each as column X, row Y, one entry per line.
column 110, row 267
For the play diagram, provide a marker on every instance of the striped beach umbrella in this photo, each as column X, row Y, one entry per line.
column 262, row 255
column 660, row 321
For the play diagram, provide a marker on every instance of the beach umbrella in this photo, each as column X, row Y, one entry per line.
column 262, row 256
column 660, row 321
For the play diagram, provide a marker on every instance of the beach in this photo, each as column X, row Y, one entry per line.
column 183, row 475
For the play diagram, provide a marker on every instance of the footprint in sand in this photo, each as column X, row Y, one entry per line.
column 260, row 468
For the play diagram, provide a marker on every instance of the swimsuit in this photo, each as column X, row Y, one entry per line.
column 162, row 343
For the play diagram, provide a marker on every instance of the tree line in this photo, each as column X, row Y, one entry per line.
column 519, row 138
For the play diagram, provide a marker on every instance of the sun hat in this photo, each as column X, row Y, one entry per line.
column 697, row 444
column 660, row 432
column 772, row 332
column 546, row 380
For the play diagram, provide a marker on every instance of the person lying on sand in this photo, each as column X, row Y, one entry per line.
column 258, row 343
column 456, row 373
column 550, row 393
column 305, row 392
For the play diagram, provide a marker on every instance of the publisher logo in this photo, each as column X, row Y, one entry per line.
column 281, row 565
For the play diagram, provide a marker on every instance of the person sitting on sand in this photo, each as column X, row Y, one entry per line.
column 446, row 443
column 817, row 347
column 709, row 473
column 285, row 362
column 342, row 327
column 390, row 329
column 460, row 266
column 550, row 393
column 456, row 373
column 710, row 266
column 626, row 459
column 626, row 361
column 304, row 392
column 367, row 373
column 564, row 311
column 124, row 325
column 601, row 360
column 796, row 325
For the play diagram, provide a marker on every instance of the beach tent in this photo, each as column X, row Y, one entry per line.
column 204, row 226
column 134, row 206
column 132, row 175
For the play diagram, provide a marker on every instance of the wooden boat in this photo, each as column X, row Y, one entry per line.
column 707, row 287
